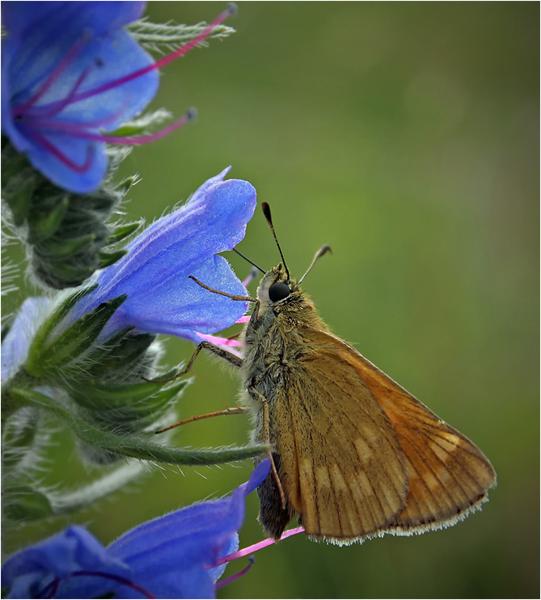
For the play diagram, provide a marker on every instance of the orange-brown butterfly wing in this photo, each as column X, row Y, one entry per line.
column 447, row 474
column 340, row 462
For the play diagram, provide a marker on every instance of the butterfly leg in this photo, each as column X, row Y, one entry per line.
column 220, row 293
column 232, row 410
column 255, row 301
column 232, row 359
column 266, row 440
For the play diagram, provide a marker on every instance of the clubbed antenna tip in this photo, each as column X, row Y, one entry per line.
column 267, row 212
column 232, row 9
column 191, row 113
column 321, row 252
column 324, row 250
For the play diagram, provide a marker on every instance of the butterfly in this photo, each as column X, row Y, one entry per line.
column 353, row 453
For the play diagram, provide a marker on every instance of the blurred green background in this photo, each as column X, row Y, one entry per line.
column 406, row 136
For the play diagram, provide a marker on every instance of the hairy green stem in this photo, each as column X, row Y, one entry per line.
column 137, row 445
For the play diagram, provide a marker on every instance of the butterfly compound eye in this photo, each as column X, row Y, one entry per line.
column 279, row 291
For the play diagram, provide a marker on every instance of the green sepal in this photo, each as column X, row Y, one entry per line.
column 116, row 396
column 68, row 235
column 142, row 125
column 120, row 355
column 109, row 258
column 23, row 503
column 126, row 184
column 129, row 406
column 136, row 445
column 74, row 341
column 44, row 226
column 121, row 232
column 170, row 375
column 19, row 181
column 58, row 251
column 41, row 337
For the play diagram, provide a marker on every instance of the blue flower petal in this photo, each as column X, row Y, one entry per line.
column 194, row 537
column 78, row 151
column 177, row 243
column 155, row 271
column 107, row 59
column 44, row 15
column 28, row 572
column 170, row 557
column 189, row 310
column 17, row 341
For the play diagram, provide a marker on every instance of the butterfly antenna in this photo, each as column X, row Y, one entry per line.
column 321, row 252
column 267, row 212
column 248, row 260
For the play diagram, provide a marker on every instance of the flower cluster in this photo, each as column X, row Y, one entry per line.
column 74, row 78
column 70, row 72
column 178, row 555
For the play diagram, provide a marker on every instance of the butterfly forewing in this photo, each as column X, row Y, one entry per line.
column 340, row 461
column 447, row 475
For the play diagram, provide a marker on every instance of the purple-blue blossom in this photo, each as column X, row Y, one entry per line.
column 173, row 556
column 70, row 74
column 54, row 53
column 154, row 274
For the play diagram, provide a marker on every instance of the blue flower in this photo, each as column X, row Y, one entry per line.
column 71, row 72
column 55, row 55
column 169, row 557
column 154, row 273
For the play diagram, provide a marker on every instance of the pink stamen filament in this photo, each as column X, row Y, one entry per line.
column 178, row 53
column 219, row 341
column 232, row 578
column 247, row 280
column 258, row 546
column 81, row 131
column 67, row 100
column 244, row 319
column 52, row 77
column 49, row 146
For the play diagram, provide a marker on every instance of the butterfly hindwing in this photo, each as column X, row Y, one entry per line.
column 341, row 465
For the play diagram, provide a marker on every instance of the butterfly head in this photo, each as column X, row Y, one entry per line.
column 276, row 287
